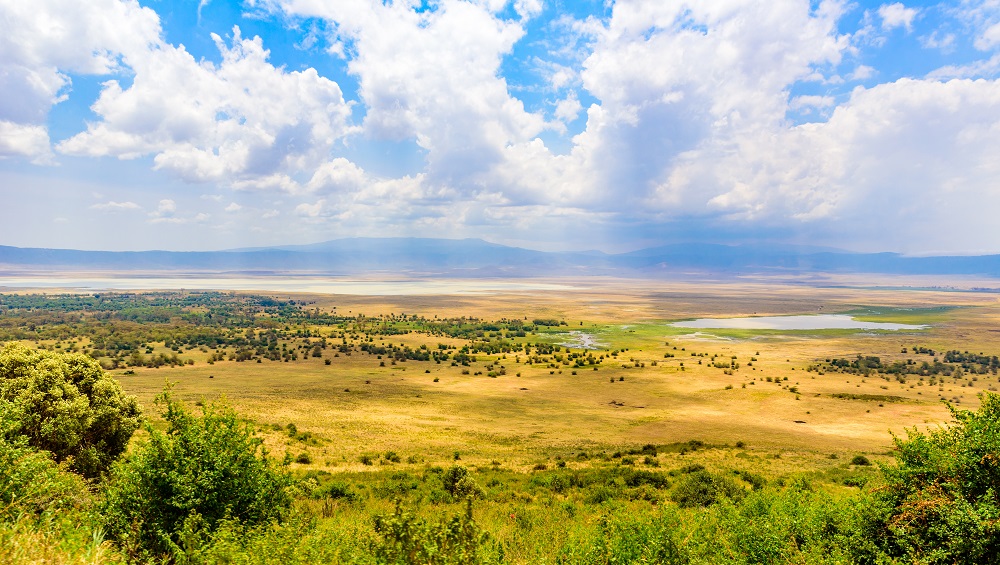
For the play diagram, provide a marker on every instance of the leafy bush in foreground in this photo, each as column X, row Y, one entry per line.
column 44, row 509
column 941, row 502
column 407, row 540
column 178, row 487
column 66, row 404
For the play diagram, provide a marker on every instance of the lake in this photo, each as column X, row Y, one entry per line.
column 810, row 322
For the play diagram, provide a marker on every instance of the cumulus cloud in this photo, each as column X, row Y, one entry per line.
column 24, row 140
column 165, row 213
column 896, row 15
column 568, row 109
column 311, row 210
column 669, row 112
column 913, row 149
column 983, row 16
column 937, row 40
column 444, row 90
column 242, row 119
column 811, row 101
column 861, row 72
column 45, row 40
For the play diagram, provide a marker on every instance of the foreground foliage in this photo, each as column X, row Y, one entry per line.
column 177, row 487
column 204, row 491
column 67, row 405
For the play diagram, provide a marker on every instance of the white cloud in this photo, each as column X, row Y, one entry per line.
column 24, row 140
column 568, row 109
column 165, row 213
column 443, row 89
column 311, row 210
column 861, row 72
column 528, row 8
column 811, row 101
column 45, row 40
column 936, row 40
column 909, row 154
column 277, row 181
column 688, row 116
column 983, row 16
column 338, row 175
column 112, row 206
column 896, row 15
column 990, row 37
column 239, row 120
column 977, row 69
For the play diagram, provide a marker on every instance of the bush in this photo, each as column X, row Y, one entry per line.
column 940, row 503
column 31, row 484
column 860, row 460
column 44, row 509
column 66, row 404
column 405, row 539
column 459, row 484
column 183, row 483
column 702, row 488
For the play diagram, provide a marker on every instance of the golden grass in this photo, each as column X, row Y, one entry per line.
column 357, row 407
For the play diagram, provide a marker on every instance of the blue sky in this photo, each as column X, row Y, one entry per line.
column 548, row 124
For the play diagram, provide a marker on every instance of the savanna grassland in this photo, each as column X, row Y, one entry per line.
column 578, row 424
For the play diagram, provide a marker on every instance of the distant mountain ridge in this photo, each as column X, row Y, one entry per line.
column 477, row 258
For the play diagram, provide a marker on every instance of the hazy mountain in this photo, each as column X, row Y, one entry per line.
column 475, row 257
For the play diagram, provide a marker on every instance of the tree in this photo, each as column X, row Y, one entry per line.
column 941, row 502
column 66, row 404
column 204, row 470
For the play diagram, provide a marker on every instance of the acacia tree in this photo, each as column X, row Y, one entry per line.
column 66, row 404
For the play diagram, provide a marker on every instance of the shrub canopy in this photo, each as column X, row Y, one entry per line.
column 203, row 471
column 66, row 404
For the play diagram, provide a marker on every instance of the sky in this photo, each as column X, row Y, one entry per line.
column 547, row 124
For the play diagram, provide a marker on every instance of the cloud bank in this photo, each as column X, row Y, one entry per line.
column 638, row 123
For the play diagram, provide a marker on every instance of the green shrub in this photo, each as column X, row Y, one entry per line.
column 183, row 483
column 404, row 539
column 335, row 490
column 66, row 404
column 860, row 460
column 772, row 526
column 458, row 483
column 630, row 539
column 31, row 484
column 940, row 502
column 44, row 509
column 703, row 488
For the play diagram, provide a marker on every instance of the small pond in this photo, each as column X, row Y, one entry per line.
column 817, row 322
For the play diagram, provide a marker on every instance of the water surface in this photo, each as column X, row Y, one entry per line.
column 817, row 322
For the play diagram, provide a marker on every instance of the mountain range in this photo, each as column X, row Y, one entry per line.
column 478, row 258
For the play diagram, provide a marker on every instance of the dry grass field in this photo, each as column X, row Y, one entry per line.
column 428, row 412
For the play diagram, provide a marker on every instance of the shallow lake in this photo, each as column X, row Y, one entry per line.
column 817, row 322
